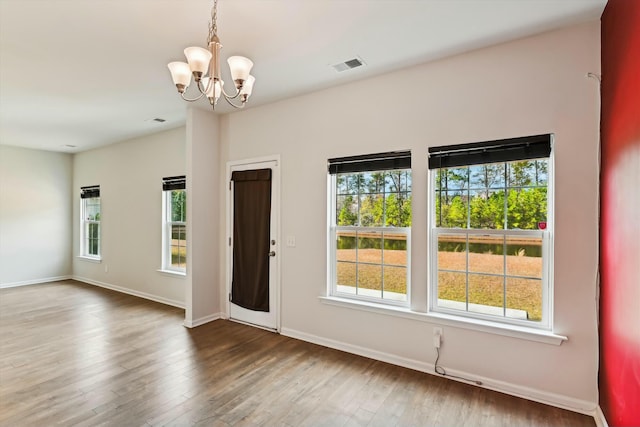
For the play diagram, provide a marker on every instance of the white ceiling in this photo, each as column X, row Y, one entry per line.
column 87, row 73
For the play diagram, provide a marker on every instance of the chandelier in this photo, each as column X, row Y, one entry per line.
column 204, row 65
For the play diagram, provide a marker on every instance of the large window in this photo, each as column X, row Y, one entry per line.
column 90, row 221
column 491, row 230
column 370, row 227
column 174, row 231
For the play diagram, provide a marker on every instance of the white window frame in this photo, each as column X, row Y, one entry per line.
column 167, row 225
column 333, row 288
column 546, row 323
column 84, row 230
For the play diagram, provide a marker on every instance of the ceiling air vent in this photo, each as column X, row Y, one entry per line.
column 348, row 65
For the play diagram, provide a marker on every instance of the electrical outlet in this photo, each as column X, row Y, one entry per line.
column 437, row 337
column 291, row 241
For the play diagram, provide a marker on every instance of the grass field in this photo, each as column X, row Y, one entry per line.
column 521, row 293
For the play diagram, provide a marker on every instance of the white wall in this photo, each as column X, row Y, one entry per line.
column 531, row 86
column 35, row 216
column 130, row 177
column 203, row 215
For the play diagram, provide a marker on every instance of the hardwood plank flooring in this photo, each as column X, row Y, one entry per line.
column 72, row 354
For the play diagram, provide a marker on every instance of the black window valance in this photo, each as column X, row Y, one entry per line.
column 501, row 150
column 370, row 162
column 90, row 192
column 174, row 183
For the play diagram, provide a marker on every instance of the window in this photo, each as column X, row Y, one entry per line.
column 370, row 227
column 90, row 221
column 174, row 231
column 491, row 230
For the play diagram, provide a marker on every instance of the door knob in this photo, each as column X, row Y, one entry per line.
column 272, row 253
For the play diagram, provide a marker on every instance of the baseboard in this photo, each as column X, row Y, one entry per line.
column 128, row 291
column 33, row 282
column 202, row 320
column 552, row 399
column 601, row 421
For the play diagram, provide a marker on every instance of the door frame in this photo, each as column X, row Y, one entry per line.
column 255, row 163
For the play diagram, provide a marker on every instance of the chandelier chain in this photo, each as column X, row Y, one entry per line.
column 213, row 24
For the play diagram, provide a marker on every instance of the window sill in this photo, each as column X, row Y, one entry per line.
column 519, row 332
column 172, row 273
column 96, row 260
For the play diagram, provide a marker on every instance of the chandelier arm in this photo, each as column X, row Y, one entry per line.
column 228, row 99
column 204, row 89
column 192, row 99
column 227, row 96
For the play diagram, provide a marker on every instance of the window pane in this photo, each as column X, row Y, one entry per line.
column 178, row 246
column 371, row 210
column 346, row 274
column 526, row 208
column 438, row 208
column 453, row 205
column 522, row 174
column 452, row 290
column 93, row 246
column 346, row 183
column 397, row 181
column 487, row 209
column 370, row 278
column 372, row 182
column 346, row 210
column 370, row 247
column 94, row 230
column 524, row 256
column 524, row 299
column 486, row 294
column 395, row 283
column 92, row 209
column 452, row 252
column 398, row 210
column 455, row 178
column 346, row 246
column 541, row 172
column 486, row 176
column 486, row 254
column 178, row 205
column 395, row 249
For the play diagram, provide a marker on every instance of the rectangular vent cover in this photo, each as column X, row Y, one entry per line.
column 348, row 65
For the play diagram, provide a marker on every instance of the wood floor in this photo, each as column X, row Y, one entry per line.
column 74, row 354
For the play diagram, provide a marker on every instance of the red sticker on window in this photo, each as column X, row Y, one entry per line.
column 542, row 225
